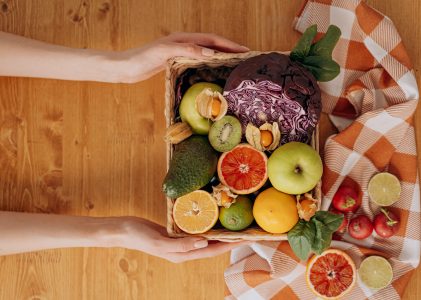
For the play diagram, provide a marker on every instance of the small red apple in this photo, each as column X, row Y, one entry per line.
column 360, row 227
column 346, row 199
column 386, row 223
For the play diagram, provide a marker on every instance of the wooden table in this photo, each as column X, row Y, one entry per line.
column 97, row 149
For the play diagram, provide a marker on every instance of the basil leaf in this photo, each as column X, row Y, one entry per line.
column 331, row 220
column 301, row 238
column 323, row 237
column 302, row 49
column 322, row 68
column 324, row 47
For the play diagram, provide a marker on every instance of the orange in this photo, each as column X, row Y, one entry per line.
column 196, row 212
column 243, row 169
column 331, row 274
column 275, row 211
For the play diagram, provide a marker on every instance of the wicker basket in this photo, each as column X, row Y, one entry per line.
column 175, row 68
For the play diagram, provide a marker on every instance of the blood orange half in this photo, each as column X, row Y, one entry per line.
column 331, row 274
column 243, row 169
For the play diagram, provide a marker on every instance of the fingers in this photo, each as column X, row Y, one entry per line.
column 186, row 244
column 210, row 251
column 208, row 40
column 188, row 50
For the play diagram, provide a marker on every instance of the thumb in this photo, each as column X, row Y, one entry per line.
column 190, row 50
column 187, row 244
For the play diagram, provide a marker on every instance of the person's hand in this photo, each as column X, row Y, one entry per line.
column 143, row 235
column 141, row 63
column 23, row 57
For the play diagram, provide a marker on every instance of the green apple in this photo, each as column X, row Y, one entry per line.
column 188, row 111
column 295, row 168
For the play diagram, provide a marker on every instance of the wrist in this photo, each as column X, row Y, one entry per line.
column 119, row 67
column 107, row 66
column 109, row 232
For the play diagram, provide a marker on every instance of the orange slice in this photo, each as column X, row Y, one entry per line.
column 243, row 169
column 196, row 212
column 331, row 274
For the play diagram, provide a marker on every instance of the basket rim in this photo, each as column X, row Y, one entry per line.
column 177, row 65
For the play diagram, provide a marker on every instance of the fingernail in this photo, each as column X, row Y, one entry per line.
column 245, row 48
column 208, row 52
column 201, row 244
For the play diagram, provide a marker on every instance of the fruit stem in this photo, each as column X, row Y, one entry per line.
column 349, row 202
column 356, row 226
column 390, row 221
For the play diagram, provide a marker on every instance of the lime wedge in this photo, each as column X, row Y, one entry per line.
column 375, row 272
column 384, row 189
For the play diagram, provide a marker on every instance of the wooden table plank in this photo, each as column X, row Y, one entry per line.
column 97, row 149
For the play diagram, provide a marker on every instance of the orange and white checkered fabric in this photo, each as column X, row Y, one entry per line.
column 372, row 103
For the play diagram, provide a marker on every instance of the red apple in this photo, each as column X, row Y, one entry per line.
column 360, row 227
column 386, row 223
column 346, row 199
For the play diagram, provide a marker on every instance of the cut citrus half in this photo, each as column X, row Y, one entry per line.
column 331, row 274
column 196, row 212
column 375, row 272
column 243, row 169
column 384, row 189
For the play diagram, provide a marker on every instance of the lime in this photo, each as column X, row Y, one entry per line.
column 238, row 216
column 375, row 272
column 384, row 189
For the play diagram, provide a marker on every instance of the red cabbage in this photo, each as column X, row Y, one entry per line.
column 271, row 88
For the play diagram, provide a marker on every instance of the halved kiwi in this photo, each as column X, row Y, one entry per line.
column 225, row 134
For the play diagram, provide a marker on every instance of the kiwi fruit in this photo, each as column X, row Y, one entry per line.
column 225, row 134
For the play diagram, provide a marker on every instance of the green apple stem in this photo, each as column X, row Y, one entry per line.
column 390, row 221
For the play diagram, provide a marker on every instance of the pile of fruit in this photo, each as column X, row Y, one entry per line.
column 332, row 274
column 241, row 155
column 208, row 142
column 384, row 189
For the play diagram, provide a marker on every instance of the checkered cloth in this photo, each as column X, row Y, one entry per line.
column 372, row 103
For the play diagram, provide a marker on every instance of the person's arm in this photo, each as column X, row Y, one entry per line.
column 23, row 57
column 26, row 232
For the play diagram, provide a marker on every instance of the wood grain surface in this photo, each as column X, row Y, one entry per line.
column 97, row 149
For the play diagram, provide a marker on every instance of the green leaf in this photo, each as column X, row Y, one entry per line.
column 330, row 220
column 323, row 237
column 324, row 47
column 301, row 238
column 302, row 49
column 322, row 68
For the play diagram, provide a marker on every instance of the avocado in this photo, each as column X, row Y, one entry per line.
column 192, row 166
column 188, row 111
